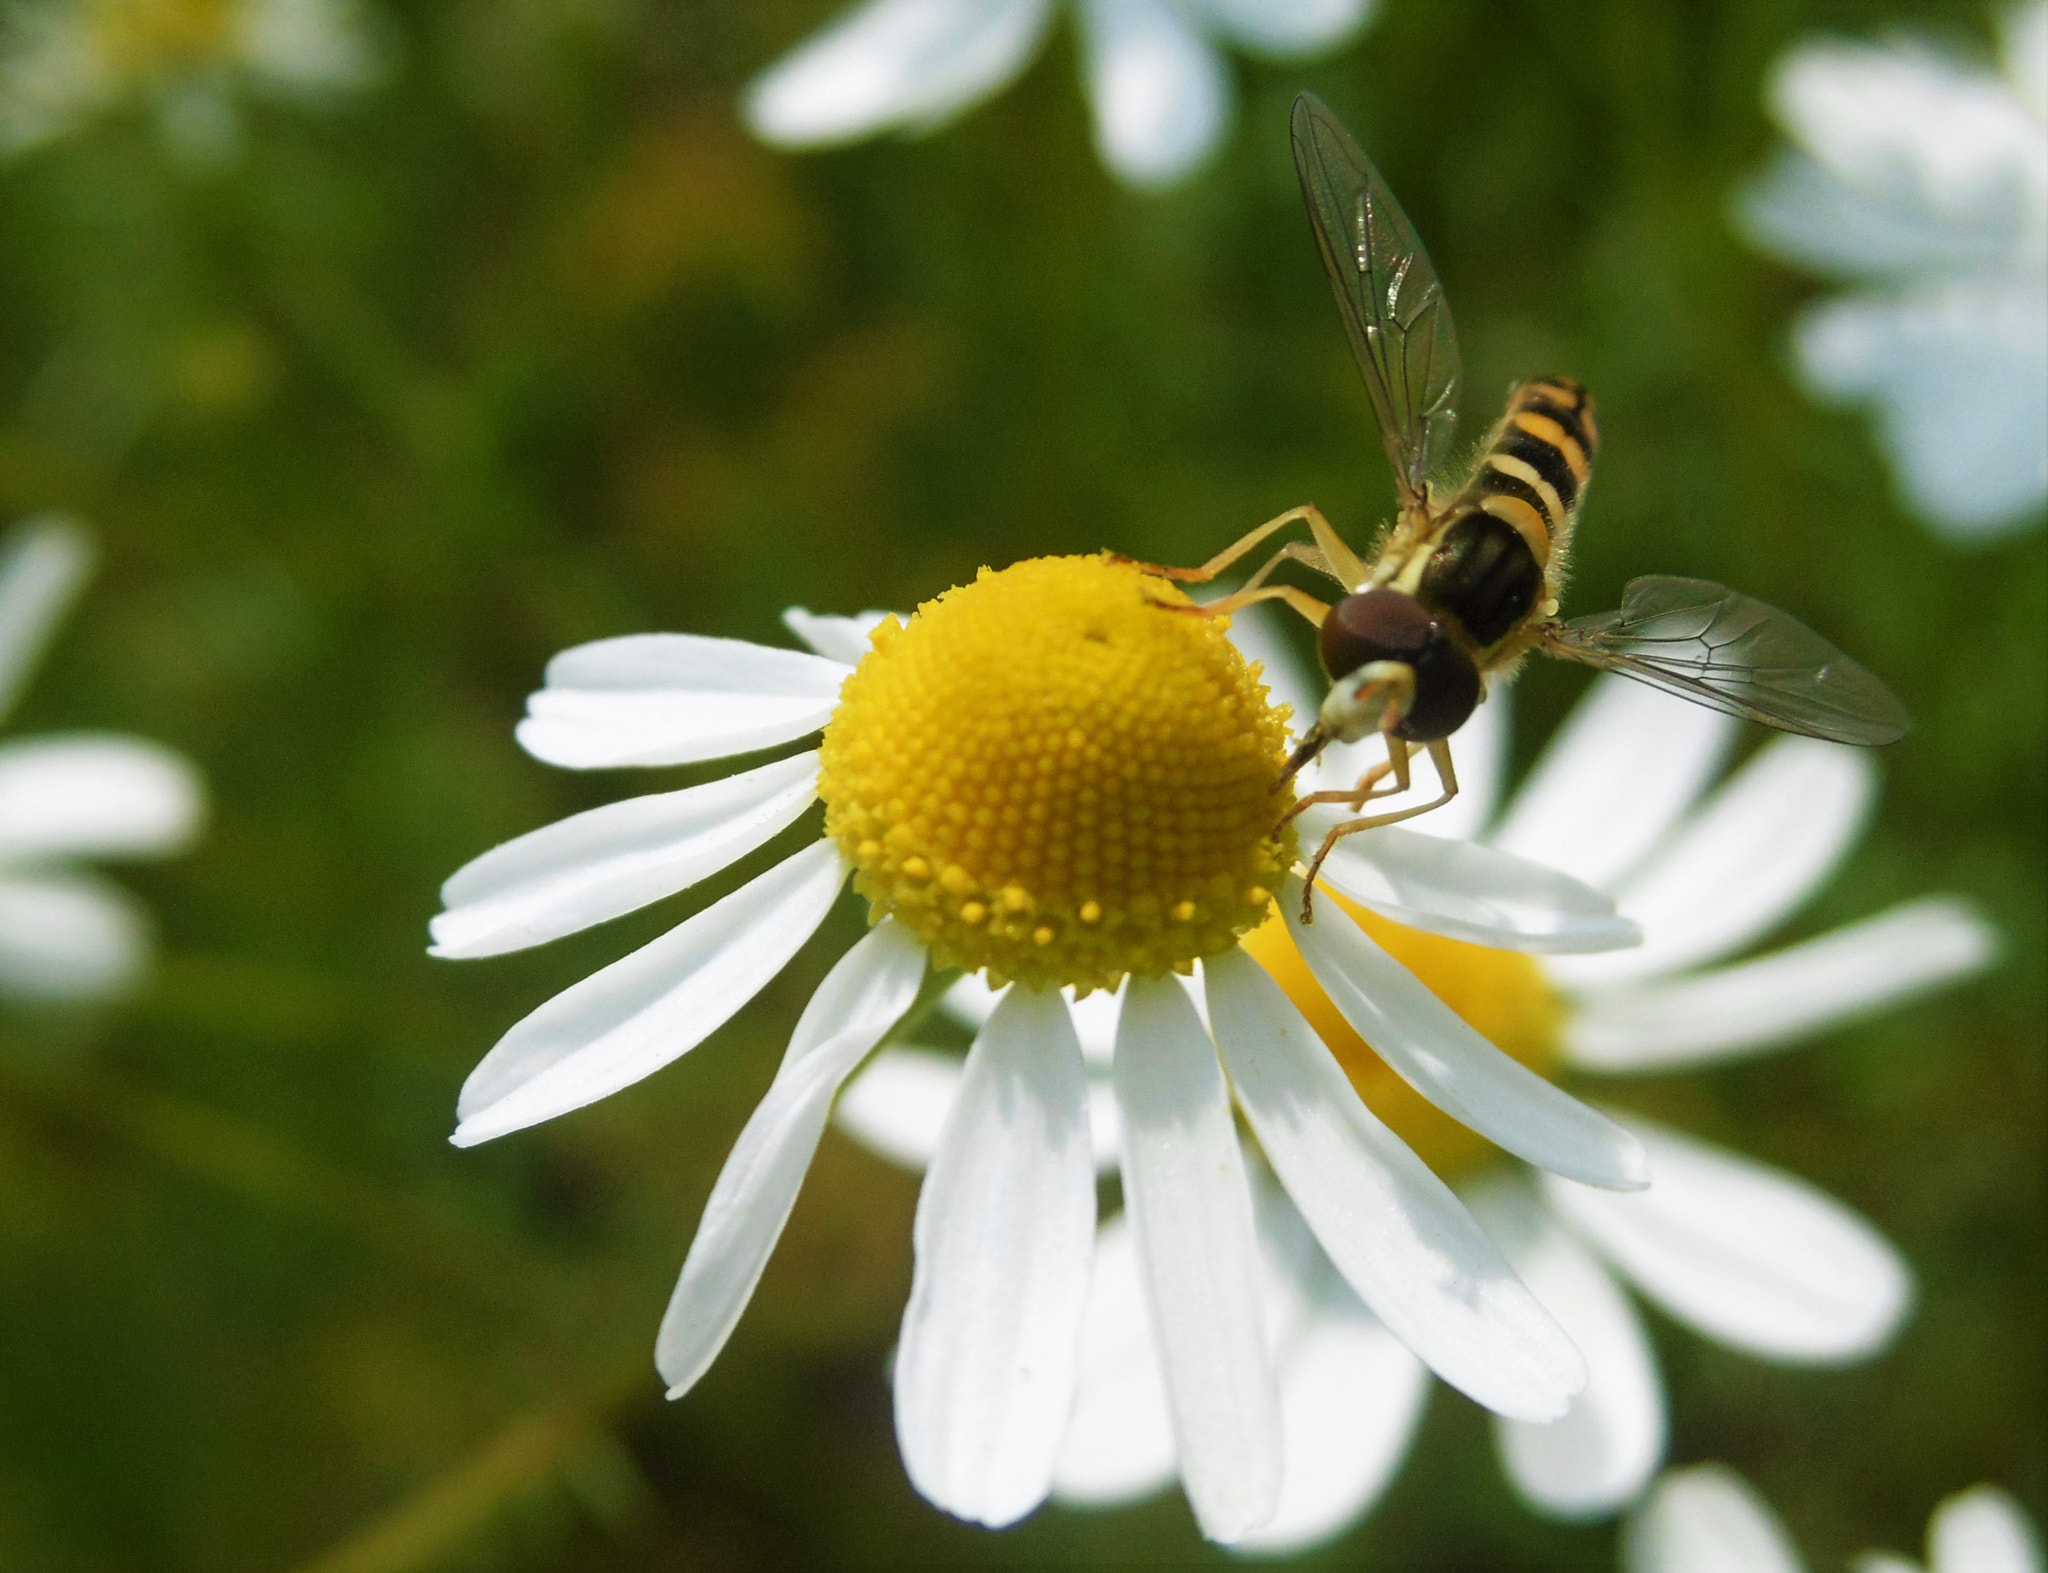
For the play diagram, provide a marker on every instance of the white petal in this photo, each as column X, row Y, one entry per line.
column 1119, row 1443
column 897, row 1106
column 1958, row 372
column 986, row 1368
column 674, row 699
column 1600, row 1455
column 1626, row 763
column 43, row 563
column 1290, row 28
column 95, row 796
column 1391, row 1227
column 68, row 937
column 651, row 1007
column 1478, row 754
column 1161, row 95
column 892, row 62
column 597, row 865
column 1982, row 1530
column 1351, row 1396
column 1466, row 891
column 1766, row 1003
column 1432, row 1049
column 1707, row 1519
column 1186, row 1195
column 1882, row 1562
column 1746, row 1254
column 1747, row 861
column 841, row 639
column 861, row 998
column 970, row 1001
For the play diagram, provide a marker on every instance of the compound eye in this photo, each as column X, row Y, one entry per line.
column 1446, row 693
column 1374, row 625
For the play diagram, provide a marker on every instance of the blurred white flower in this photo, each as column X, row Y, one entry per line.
column 1708, row 1519
column 63, row 62
column 67, row 933
column 1160, row 89
column 1102, row 767
column 1742, row 1253
column 1922, row 181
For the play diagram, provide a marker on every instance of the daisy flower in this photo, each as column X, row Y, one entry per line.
column 1160, row 89
column 1046, row 779
column 63, row 62
column 1708, row 1519
column 1922, row 181
column 1744, row 1254
column 67, row 933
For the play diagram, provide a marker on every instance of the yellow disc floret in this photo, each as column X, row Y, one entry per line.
column 1052, row 775
column 1501, row 994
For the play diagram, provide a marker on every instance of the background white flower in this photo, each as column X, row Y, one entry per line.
column 65, row 932
column 1708, row 1519
column 1161, row 91
column 62, row 62
column 1923, row 182
column 1744, row 1254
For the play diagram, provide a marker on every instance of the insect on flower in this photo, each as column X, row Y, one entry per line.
column 1467, row 580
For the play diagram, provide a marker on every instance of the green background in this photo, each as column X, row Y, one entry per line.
column 532, row 346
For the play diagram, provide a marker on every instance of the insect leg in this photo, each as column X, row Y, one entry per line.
column 1297, row 551
column 1342, row 563
column 1315, row 611
column 1440, row 756
column 1368, row 785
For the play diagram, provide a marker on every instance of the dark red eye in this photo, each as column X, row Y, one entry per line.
column 1374, row 625
column 1386, row 625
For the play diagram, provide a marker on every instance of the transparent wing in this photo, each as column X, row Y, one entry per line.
column 1393, row 304
column 1704, row 642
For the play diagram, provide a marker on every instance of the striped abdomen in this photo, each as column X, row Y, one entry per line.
column 1489, row 565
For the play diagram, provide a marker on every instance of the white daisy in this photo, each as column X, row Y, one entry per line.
column 1159, row 86
column 1923, row 181
column 1708, row 1519
column 63, row 62
column 67, row 933
column 1744, row 1254
column 1043, row 775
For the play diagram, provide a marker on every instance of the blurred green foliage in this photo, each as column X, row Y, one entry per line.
column 533, row 346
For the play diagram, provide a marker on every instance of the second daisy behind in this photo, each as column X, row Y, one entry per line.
column 1047, row 777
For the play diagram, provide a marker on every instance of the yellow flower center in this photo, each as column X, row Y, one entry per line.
column 1050, row 775
column 140, row 37
column 1501, row 994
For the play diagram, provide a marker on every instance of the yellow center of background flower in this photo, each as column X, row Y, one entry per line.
column 1501, row 994
column 1049, row 775
column 139, row 37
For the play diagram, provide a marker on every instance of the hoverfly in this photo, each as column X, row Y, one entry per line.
column 1466, row 580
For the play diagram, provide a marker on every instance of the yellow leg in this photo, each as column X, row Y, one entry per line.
column 1295, row 551
column 1367, row 786
column 1315, row 611
column 1340, row 562
column 1440, row 756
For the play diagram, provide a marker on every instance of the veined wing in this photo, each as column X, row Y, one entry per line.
column 1392, row 301
column 1704, row 642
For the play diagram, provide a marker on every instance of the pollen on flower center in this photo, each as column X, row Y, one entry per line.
column 1501, row 994
column 1050, row 776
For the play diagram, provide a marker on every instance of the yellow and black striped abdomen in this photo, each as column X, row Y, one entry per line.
column 1489, row 565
